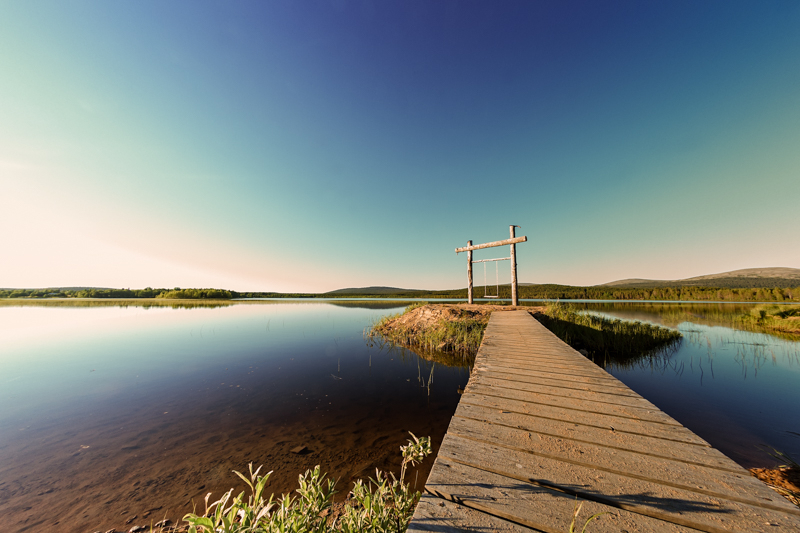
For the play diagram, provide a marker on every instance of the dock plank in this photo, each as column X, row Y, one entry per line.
column 609, row 422
column 561, row 392
column 668, row 503
column 443, row 516
column 534, row 506
column 690, row 453
column 729, row 483
column 605, row 408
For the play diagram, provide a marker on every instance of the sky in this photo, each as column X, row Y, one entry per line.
column 310, row 146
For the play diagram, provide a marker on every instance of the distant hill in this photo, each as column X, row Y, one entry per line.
column 779, row 277
column 371, row 291
column 59, row 289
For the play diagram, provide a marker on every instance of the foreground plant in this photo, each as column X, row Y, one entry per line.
column 586, row 523
column 382, row 505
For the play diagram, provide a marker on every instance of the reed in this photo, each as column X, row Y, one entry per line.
column 606, row 341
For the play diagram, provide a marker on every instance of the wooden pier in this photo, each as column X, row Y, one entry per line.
column 540, row 429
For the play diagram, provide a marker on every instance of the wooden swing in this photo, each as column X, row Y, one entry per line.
column 496, row 273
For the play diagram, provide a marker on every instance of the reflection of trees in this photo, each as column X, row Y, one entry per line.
column 353, row 304
column 182, row 304
column 781, row 321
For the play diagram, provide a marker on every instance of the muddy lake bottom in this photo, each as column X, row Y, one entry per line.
column 91, row 458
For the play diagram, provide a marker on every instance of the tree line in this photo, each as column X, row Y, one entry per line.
column 547, row 292
column 149, row 292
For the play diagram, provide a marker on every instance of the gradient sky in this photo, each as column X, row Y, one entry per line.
column 308, row 146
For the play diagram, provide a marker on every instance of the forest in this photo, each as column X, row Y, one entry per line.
column 533, row 292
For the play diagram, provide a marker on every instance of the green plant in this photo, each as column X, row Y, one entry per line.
column 618, row 342
column 788, row 460
column 381, row 505
column 585, row 524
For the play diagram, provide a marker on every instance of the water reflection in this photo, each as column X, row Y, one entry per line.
column 737, row 389
column 143, row 409
column 139, row 302
column 780, row 320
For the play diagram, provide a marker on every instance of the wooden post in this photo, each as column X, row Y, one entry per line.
column 514, row 299
column 469, row 273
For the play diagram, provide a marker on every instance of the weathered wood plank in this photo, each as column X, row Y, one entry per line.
column 534, row 506
column 610, row 384
column 443, row 516
column 559, row 370
column 653, row 415
column 689, row 453
column 554, row 382
column 729, row 484
column 609, row 422
column 560, row 392
column 534, row 356
column 673, row 504
column 562, row 358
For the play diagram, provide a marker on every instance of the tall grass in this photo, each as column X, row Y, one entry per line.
column 461, row 332
column 608, row 341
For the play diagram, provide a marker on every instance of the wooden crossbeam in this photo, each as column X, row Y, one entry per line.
column 491, row 244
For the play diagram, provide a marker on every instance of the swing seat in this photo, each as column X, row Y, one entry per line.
column 495, row 296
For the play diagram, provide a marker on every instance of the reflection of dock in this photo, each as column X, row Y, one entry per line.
column 541, row 429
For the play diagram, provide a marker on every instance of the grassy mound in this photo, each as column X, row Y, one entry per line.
column 443, row 328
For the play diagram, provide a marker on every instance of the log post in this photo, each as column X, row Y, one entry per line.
column 514, row 299
column 469, row 273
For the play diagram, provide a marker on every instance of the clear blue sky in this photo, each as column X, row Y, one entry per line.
column 317, row 145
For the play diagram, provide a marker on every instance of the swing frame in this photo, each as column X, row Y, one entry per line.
column 512, row 243
column 496, row 273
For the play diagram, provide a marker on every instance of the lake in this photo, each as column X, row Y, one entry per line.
column 109, row 410
column 739, row 390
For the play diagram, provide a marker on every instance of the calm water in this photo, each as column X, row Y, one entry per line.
column 110, row 412
column 107, row 412
column 739, row 390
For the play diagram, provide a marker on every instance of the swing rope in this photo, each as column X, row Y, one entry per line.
column 486, row 284
column 496, row 274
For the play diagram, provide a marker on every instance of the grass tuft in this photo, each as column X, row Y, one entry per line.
column 608, row 341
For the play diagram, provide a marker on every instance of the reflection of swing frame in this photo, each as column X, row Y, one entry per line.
column 496, row 274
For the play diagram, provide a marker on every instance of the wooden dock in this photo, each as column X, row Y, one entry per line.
column 540, row 429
